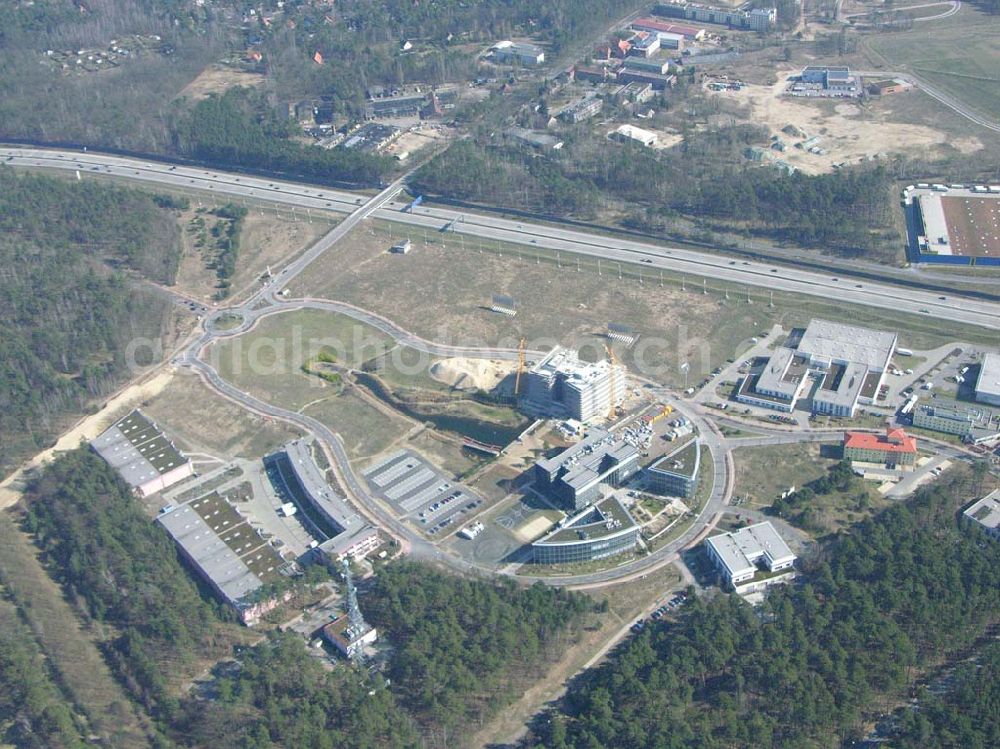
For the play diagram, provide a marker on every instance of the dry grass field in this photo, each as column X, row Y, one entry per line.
column 441, row 290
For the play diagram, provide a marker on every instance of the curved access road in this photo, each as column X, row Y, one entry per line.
column 268, row 302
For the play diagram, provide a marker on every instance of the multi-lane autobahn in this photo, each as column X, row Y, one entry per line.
column 485, row 228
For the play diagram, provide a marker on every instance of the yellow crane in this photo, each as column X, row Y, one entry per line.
column 613, row 409
column 520, row 367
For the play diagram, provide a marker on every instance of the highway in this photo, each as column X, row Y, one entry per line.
column 611, row 250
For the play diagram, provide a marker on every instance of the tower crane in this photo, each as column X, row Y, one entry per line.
column 520, row 367
column 613, row 409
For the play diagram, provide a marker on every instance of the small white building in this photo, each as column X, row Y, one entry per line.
column 402, row 247
column 741, row 555
column 517, row 52
column 626, row 133
column 986, row 513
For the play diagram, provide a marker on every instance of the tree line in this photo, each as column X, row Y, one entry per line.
column 124, row 572
column 33, row 711
column 815, row 660
column 68, row 314
column 707, row 179
column 238, row 129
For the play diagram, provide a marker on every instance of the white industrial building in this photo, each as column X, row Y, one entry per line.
column 626, row 133
column 988, row 384
column 141, row 454
column 741, row 554
column 517, row 52
column 846, row 363
column 986, row 513
column 562, row 386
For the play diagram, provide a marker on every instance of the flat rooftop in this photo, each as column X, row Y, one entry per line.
column 137, row 449
column 741, row 549
column 583, row 462
column 988, row 383
column 833, row 341
column 782, row 374
column 603, row 520
column 223, row 546
column 320, row 493
column 986, row 511
column 683, row 461
column 973, row 224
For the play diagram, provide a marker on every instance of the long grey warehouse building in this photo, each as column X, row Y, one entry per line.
column 141, row 454
column 227, row 552
column 988, row 383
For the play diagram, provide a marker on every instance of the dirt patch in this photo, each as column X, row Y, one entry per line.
column 443, row 292
column 216, row 80
column 848, row 132
column 471, row 374
column 416, row 138
column 534, row 528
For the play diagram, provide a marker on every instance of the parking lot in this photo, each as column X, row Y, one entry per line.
column 420, row 493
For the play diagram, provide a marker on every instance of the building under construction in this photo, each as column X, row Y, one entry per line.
column 562, row 386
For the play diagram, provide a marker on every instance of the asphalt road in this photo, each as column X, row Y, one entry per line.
column 268, row 300
column 610, row 250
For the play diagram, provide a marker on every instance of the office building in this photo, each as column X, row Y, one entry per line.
column 676, row 473
column 645, row 45
column 747, row 559
column 974, row 424
column 758, row 19
column 825, row 80
column 342, row 532
column 575, row 475
column 597, row 532
column 844, row 364
column 142, row 455
column 895, row 449
column 582, row 110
